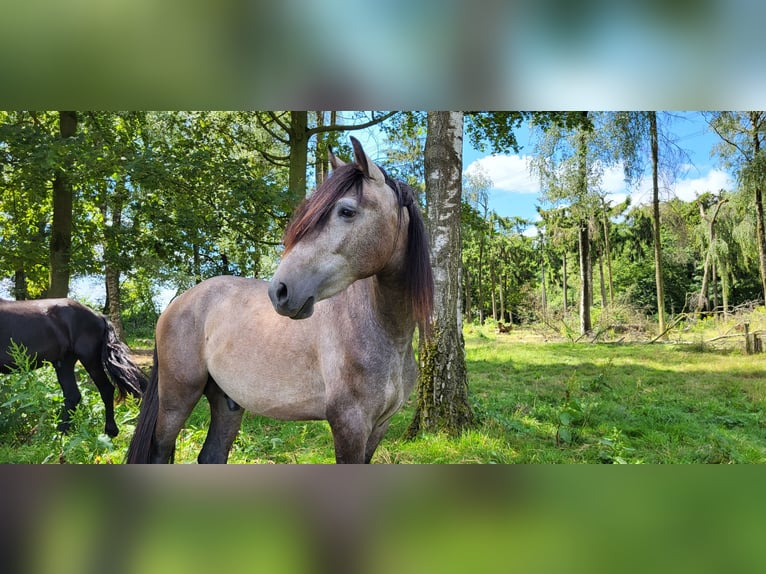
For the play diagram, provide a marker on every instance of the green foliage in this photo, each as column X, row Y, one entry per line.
column 30, row 403
column 28, row 399
column 163, row 193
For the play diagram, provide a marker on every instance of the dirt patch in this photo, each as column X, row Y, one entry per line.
column 142, row 358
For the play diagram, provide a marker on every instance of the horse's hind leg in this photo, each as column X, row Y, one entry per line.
column 65, row 375
column 175, row 405
column 225, row 420
column 106, row 390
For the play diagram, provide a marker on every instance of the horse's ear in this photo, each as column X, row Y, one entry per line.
column 334, row 161
column 365, row 164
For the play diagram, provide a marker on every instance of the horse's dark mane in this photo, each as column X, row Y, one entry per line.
column 417, row 264
column 313, row 212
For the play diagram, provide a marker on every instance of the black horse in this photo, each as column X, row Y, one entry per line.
column 62, row 332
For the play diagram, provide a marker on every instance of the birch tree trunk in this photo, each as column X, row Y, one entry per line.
column 442, row 404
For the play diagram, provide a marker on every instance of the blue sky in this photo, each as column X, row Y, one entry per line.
column 516, row 193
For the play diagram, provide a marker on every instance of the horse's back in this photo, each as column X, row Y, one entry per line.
column 42, row 326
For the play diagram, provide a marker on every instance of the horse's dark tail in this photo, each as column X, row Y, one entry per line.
column 125, row 374
column 140, row 447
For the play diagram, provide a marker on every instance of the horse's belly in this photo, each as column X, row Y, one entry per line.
column 273, row 395
column 284, row 405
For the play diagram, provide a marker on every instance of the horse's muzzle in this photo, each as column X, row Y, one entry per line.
column 286, row 305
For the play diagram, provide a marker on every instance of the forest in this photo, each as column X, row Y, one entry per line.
column 151, row 201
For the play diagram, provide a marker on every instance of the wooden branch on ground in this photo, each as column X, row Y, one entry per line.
column 734, row 335
column 672, row 325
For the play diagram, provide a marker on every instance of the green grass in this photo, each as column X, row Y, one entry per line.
column 535, row 403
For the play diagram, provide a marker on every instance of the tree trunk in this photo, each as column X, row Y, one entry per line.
column 197, row 263
column 480, row 279
column 442, row 404
column 320, row 157
column 714, row 280
column 112, row 248
column 725, row 291
column 299, row 150
column 20, row 288
column 501, row 294
column 607, row 250
column 564, row 282
column 114, row 299
column 467, row 289
column 656, row 223
column 583, row 243
column 583, row 239
column 702, row 299
column 759, row 223
column 61, row 226
column 493, row 283
column 602, row 283
column 543, row 294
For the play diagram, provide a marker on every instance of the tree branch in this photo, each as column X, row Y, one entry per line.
column 266, row 126
column 727, row 140
column 279, row 161
column 350, row 127
column 277, row 120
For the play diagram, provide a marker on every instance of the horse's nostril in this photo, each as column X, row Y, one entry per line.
column 282, row 292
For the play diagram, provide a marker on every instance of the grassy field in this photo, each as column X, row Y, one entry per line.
column 536, row 402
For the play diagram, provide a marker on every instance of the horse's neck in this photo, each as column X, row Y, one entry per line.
column 387, row 301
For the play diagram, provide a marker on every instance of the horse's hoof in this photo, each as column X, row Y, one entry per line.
column 63, row 428
column 112, row 432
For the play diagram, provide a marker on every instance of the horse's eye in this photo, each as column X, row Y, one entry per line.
column 346, row 212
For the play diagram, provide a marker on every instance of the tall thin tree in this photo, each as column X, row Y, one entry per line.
column 743, row 135
column 442, row 403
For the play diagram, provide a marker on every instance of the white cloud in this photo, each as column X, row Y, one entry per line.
column 507, row 172
column 531, row 231
column 686, row 189
column 613, row 179
column 510, row 173
column 715, row 180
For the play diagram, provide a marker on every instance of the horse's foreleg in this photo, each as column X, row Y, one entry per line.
column 375, row 437
column 106, row 390
column 225, row 420
column 349, row 433
column 65, row 375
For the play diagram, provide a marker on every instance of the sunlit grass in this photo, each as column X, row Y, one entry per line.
column 534, row 402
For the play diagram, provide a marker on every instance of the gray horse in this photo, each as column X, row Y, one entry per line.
column 354, row 281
